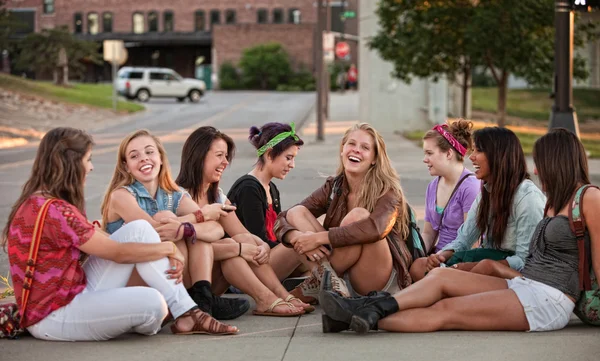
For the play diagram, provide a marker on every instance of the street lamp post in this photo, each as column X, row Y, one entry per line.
column 563, row 115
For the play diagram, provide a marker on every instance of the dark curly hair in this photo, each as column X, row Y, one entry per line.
column 259, row 137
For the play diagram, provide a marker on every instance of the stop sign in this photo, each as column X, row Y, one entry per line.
column 342, row 49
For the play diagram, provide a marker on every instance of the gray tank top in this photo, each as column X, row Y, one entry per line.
column 553, row 256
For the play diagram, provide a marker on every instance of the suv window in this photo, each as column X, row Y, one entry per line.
column 131, row 75
column 157, row 76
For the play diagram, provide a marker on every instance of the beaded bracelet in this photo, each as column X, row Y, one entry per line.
column 189, row 232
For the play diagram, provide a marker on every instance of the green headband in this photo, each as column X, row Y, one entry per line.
column 278, row 139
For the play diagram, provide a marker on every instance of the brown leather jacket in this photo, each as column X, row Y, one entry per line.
column 330, row 199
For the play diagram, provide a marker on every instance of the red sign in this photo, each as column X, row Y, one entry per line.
column 342, row 49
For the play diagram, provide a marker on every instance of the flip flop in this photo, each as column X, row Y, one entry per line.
column 307, row 309
column 278, row 302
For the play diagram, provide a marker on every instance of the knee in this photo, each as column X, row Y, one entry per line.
column 153, row 302
column 355, row 215
column 138, row 231
column 295, row 214
column 227, row 241
column 486, row 267
column 440, row 273
column 417, row 269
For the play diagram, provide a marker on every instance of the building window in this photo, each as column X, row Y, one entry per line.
column 93, row 26
column 107, row 22
column 152, row 21
column 78, row 23
column 200, row 20
column 262, row 16
column 168, row 22
column 230, row 16
column 277, row 16
column 26, row 20
column 48, row 6
column 294, row 16
column 138, row 23
column 215, row 18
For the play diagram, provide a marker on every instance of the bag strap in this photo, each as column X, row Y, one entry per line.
column 33, row 253
column 449, row 199
column 577, row 224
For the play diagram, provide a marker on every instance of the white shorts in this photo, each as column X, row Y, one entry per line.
column 391, row 286
column 546, row 308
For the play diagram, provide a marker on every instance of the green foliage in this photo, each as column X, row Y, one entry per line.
column 481, row 78
column 96, row 95
column 265, row 66
column 229, row 79
column 536, row 103
column 334, row 70
column 429, row 38
column 39, row 51
column 303, row 80
column 8, row 25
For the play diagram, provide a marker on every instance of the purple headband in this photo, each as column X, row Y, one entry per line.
column 450, row 138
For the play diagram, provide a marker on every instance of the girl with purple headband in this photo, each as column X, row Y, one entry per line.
column 451, row 193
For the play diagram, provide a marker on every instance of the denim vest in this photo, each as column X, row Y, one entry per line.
column 164, row 201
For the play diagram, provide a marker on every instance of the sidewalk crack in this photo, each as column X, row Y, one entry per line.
column 290, row 340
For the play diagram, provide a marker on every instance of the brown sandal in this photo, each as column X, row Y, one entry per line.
column 307, row 309
column 199, row 317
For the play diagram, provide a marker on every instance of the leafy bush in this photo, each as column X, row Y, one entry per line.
column 265, row 66
column 229, row 79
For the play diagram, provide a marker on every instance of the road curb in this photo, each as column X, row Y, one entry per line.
column 302, row 121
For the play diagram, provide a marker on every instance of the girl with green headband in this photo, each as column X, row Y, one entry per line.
column 257, row 197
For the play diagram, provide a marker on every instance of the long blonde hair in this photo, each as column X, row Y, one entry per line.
column 122, row 178
column 380, row 178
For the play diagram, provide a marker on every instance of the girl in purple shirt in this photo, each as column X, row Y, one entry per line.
column 451, row 193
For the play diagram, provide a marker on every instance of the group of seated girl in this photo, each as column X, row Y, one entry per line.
column 169, row 248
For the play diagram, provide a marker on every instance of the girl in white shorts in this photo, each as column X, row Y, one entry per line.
column 540, row 297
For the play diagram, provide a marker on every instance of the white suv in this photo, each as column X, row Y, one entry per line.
column 143, row 83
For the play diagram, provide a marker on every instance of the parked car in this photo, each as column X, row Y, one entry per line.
column 144, row 83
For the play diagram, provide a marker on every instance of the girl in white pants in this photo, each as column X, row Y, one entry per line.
column 71, row 302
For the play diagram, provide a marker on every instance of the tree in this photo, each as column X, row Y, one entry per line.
column 8, row 25
column 426, row 39
column 507, row 36
column 265, row 66
column 40, row 52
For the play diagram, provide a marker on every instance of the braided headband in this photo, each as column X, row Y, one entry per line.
column 450, row 138
column 278, row 139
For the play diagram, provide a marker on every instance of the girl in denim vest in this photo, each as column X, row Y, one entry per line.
column 74, row 302
column 205, row 155
column 142, row 188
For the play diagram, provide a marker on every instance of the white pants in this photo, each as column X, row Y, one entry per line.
column 546, row 308
column 106, row 309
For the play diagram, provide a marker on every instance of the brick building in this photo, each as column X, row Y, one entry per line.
column 178, row 33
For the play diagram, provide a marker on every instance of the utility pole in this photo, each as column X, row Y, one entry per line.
column 326, row 66
column 320, row 68
column 563, row 115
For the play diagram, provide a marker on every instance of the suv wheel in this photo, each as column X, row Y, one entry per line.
column 143, row 95
column 195, row 96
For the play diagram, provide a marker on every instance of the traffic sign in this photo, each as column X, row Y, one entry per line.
column 349, row 14
column 328, row 47
column 342, row 49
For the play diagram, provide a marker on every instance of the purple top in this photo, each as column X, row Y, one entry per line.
column 454, row 215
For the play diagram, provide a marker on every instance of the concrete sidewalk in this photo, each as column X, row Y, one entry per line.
column 300, row 338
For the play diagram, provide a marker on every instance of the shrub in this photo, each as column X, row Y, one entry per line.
column 265, row 66
column 229, row 79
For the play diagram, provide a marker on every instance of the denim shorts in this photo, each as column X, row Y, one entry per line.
column 546, row 308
